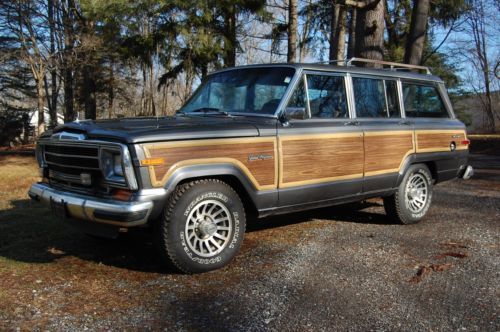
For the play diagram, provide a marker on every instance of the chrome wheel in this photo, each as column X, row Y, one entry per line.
column 416, row 193
column 208, row 228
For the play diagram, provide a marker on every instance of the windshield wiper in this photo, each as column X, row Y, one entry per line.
column 206, row 110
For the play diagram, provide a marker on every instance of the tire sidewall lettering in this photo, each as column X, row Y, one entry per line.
column 236, row 227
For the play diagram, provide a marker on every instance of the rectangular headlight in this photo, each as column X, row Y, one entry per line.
column 117, row 165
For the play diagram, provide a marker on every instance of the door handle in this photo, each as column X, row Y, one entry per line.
column 404, row 123
column 352, row 123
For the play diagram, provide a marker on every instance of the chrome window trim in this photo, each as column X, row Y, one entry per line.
column 288, row 94
column 306, row 91
column 401, row 100
column 321, row 73
column 350, row 99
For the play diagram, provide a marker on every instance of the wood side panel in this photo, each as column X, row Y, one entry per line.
column 438, row 140
column 385, row 152
column 262, row 172
column 323, row 159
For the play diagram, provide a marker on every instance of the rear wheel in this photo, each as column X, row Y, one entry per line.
column 411, row 201
column 202, row 227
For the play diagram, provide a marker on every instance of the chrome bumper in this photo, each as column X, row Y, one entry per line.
column 106, row 211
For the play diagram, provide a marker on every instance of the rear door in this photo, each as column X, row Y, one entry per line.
column 321, row 156
column 388, row 137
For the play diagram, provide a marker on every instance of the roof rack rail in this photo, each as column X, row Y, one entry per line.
column 391, row 65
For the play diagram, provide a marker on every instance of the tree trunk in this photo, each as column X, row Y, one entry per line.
column 370, row 31
column 53, row 73
column 292, row 31
column 89, row 92
column 352, row 33
column 337, row 33
column 69, row 113
column 111, row 91
column 231, row 39
column 303, row 47
column 40, row 106
column 152, row 89
column 418, row 29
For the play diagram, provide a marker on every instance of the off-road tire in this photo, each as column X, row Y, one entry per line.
column 401, row 206
column 188, row 220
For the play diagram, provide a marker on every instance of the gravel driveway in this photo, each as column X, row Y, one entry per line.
column 340, row 268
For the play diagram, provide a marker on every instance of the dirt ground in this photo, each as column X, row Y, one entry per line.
column 340, row 268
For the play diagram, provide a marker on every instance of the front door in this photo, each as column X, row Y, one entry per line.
column 322, row 155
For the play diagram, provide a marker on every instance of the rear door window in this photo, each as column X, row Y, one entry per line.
column 423, row 101
column 375, row 98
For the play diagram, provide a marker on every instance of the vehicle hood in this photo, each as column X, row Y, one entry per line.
column 141, row 130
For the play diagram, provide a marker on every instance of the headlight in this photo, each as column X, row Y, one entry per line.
column 111, row 165
column 117, row 165
column 117, row 168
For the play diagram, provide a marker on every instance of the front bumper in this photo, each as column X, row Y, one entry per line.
column 106, row 211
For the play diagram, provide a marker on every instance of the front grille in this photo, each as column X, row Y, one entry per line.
column 77, row 162
column 72, row 150
column 66, row 163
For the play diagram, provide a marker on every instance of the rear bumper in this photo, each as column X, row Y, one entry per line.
column 106, row 211
column 466, row 172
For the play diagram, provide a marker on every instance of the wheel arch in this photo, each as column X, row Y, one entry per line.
column 227, row 173
column 416, row 159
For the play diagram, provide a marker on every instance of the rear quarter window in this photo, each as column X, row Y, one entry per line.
column 423, row 101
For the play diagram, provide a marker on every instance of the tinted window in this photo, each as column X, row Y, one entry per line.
column 298, row 98
column 327, row 96
column 247, row 90
column 375, row 98
column 423, row 101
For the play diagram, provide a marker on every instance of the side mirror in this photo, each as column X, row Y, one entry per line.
column 298, row 113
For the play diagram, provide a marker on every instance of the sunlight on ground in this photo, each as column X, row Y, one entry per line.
column 16, row 175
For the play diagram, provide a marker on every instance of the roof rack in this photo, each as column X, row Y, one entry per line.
column 391, row 65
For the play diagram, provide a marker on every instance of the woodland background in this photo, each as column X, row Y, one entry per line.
column 114, row 58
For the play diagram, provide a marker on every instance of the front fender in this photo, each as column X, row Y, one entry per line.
column 261, row 199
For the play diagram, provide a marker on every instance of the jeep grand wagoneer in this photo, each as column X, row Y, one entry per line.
column 256, row 140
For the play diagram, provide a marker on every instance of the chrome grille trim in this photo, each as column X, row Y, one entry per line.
column 91, row 153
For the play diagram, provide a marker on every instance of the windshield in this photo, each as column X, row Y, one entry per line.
column 246, row 90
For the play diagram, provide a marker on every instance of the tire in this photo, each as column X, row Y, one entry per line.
column 411, row 201
column 202, row 226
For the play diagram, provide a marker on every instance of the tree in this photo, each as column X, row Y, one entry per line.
column 292, row 31
column 369, row 42
column 25, row 23
column 337, row 32
column 418, row 29
column 473, row 49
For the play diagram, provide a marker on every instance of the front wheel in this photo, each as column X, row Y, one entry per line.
column 202, row 227
column 411, row 201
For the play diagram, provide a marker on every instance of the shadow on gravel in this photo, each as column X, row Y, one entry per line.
column 341, row 213
column 31, row 234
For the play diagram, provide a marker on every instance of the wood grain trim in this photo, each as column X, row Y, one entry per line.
column 263, row 174
column 301, row 158
column 386, row 151
column 439, row 140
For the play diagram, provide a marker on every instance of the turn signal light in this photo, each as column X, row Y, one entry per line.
column 122, row 195
column 152, row 161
